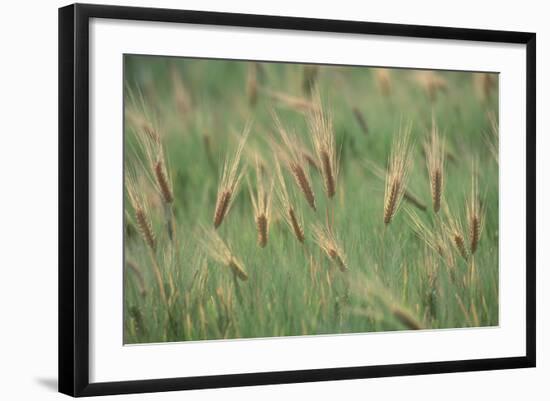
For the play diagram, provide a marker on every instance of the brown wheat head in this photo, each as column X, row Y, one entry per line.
column 397, row 174
column 435, row 161
column 322, row 134
column 261, row 203
column 293, row 156
column 231, row 176
column 218, row 250
column 286, row 208
column 327, row 241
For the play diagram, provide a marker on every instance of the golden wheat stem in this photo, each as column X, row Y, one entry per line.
column 397, row 173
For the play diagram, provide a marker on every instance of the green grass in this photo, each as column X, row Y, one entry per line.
column 294, row 289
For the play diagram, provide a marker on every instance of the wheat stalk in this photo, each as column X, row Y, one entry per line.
column 435, row 161
column 141, row 213
column 302, row 179
column 295, row 163
column 261, row 204
column 322, row 133
column 327, row 241
column 218, row 250
column 163, row 181
column 158, row 173
column 140, row 124
column 287, row 210
column 458, row 240
column 431, row 237
column 230, row 179
column 145, row 228
column 475, row 213
column 399, row 166
column 455, row 232
column 408, row 195
column 138, row 114
column 150, row 143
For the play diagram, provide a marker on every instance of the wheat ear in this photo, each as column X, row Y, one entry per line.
column 261, row 204
column 399, row 166
column 286, row 207
column 475, row 213
column 455, row 232
column 230, row 179
column 327, row 241
column 435, row 160
column 408, row 195
column 218, row 250
column 295, row 162
column 141, row 213
column 322, row 134
column 145, row 228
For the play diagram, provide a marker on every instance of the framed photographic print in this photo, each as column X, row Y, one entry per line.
column 249, row 199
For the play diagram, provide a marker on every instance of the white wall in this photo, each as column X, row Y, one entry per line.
column 28, row 199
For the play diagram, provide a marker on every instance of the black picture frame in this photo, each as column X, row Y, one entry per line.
column 74, row 198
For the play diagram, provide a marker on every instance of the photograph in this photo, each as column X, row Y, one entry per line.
column 273, row 199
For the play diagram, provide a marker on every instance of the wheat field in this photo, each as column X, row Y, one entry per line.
column 272, row 199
